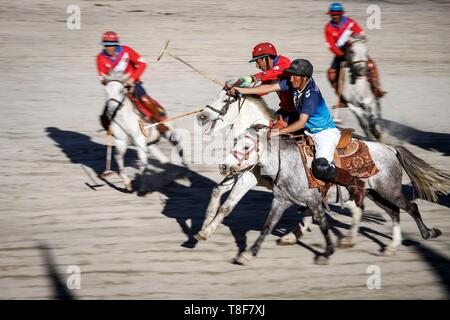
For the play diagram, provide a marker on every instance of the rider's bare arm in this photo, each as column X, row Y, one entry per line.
column 297, row 125
column 262, row 89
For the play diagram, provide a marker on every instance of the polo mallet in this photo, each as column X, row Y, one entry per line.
column 108, row 171
column 338, row 103
column 165, row 51
column 174, row 118
column 94, row 183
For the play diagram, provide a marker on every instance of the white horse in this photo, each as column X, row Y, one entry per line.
column 357, row 90
column 238, row 115
column 128, row 129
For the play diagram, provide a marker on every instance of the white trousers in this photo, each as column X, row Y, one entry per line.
column 326, row 142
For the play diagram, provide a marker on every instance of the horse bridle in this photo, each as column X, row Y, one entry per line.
column 356, row 72
column 119, row 102
column 241, row 156
column 358, row 61
column 222, row 112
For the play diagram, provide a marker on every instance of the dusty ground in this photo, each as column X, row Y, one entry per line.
column 141, row 247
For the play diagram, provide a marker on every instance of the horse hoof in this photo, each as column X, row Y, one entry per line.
column 130, row 186
column 346, row 243
column 434, row 233
column 321, row 260
column 243, row 259
column 287, row 240
column 388, row 252
column 201, row 236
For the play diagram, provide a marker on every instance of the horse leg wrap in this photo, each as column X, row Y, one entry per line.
column 374, row 78
column 175, row 140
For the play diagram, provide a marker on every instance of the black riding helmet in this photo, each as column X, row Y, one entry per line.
column 300, row 67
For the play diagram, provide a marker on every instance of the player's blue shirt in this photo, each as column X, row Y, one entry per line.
column 310, row 101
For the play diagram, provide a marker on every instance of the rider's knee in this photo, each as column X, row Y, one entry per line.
column 323, row 170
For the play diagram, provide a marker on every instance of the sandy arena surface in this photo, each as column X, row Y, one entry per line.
column 141, row 247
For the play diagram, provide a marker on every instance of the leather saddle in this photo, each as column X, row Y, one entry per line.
column 345, row 147
column 351, row 155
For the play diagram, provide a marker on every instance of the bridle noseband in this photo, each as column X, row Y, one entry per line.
column 355, row 70
column 351, row 63
column 241, row 156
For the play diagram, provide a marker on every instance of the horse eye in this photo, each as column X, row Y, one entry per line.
column 246, row 147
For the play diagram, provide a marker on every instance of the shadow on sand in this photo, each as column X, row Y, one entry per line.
column 431, row 141
column 443, row 200
column 187, row 205
column 57, row 283
column 439, row 263
column 80, row 149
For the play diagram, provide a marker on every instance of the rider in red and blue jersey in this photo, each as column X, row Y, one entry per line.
column 272, row 66
column 337, row 32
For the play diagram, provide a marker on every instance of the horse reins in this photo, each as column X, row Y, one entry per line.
column 119, row 106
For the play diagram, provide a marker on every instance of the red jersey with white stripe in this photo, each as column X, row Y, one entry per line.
column 337, row 35
column 125, row 61
column 280, row 63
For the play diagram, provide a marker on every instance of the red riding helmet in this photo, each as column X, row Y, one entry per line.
column 110, row 38
column 263, row 49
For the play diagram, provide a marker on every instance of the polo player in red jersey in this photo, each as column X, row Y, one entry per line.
column 122, row 61
column 337, row 32
column 272, row 66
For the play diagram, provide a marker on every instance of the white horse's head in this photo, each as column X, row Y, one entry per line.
column 114, row 88
column 114, row 93
column 246, row 152
column 357, row 56
column 241, row 113
column 218, row 115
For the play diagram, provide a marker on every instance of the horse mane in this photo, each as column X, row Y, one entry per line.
column 262, row 105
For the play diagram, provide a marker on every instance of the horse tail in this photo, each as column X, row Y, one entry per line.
column 426, row 180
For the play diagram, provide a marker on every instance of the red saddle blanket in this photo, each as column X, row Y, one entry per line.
column 355, row 158
column 151, row 111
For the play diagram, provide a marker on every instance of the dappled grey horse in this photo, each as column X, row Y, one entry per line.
column 280, row 160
